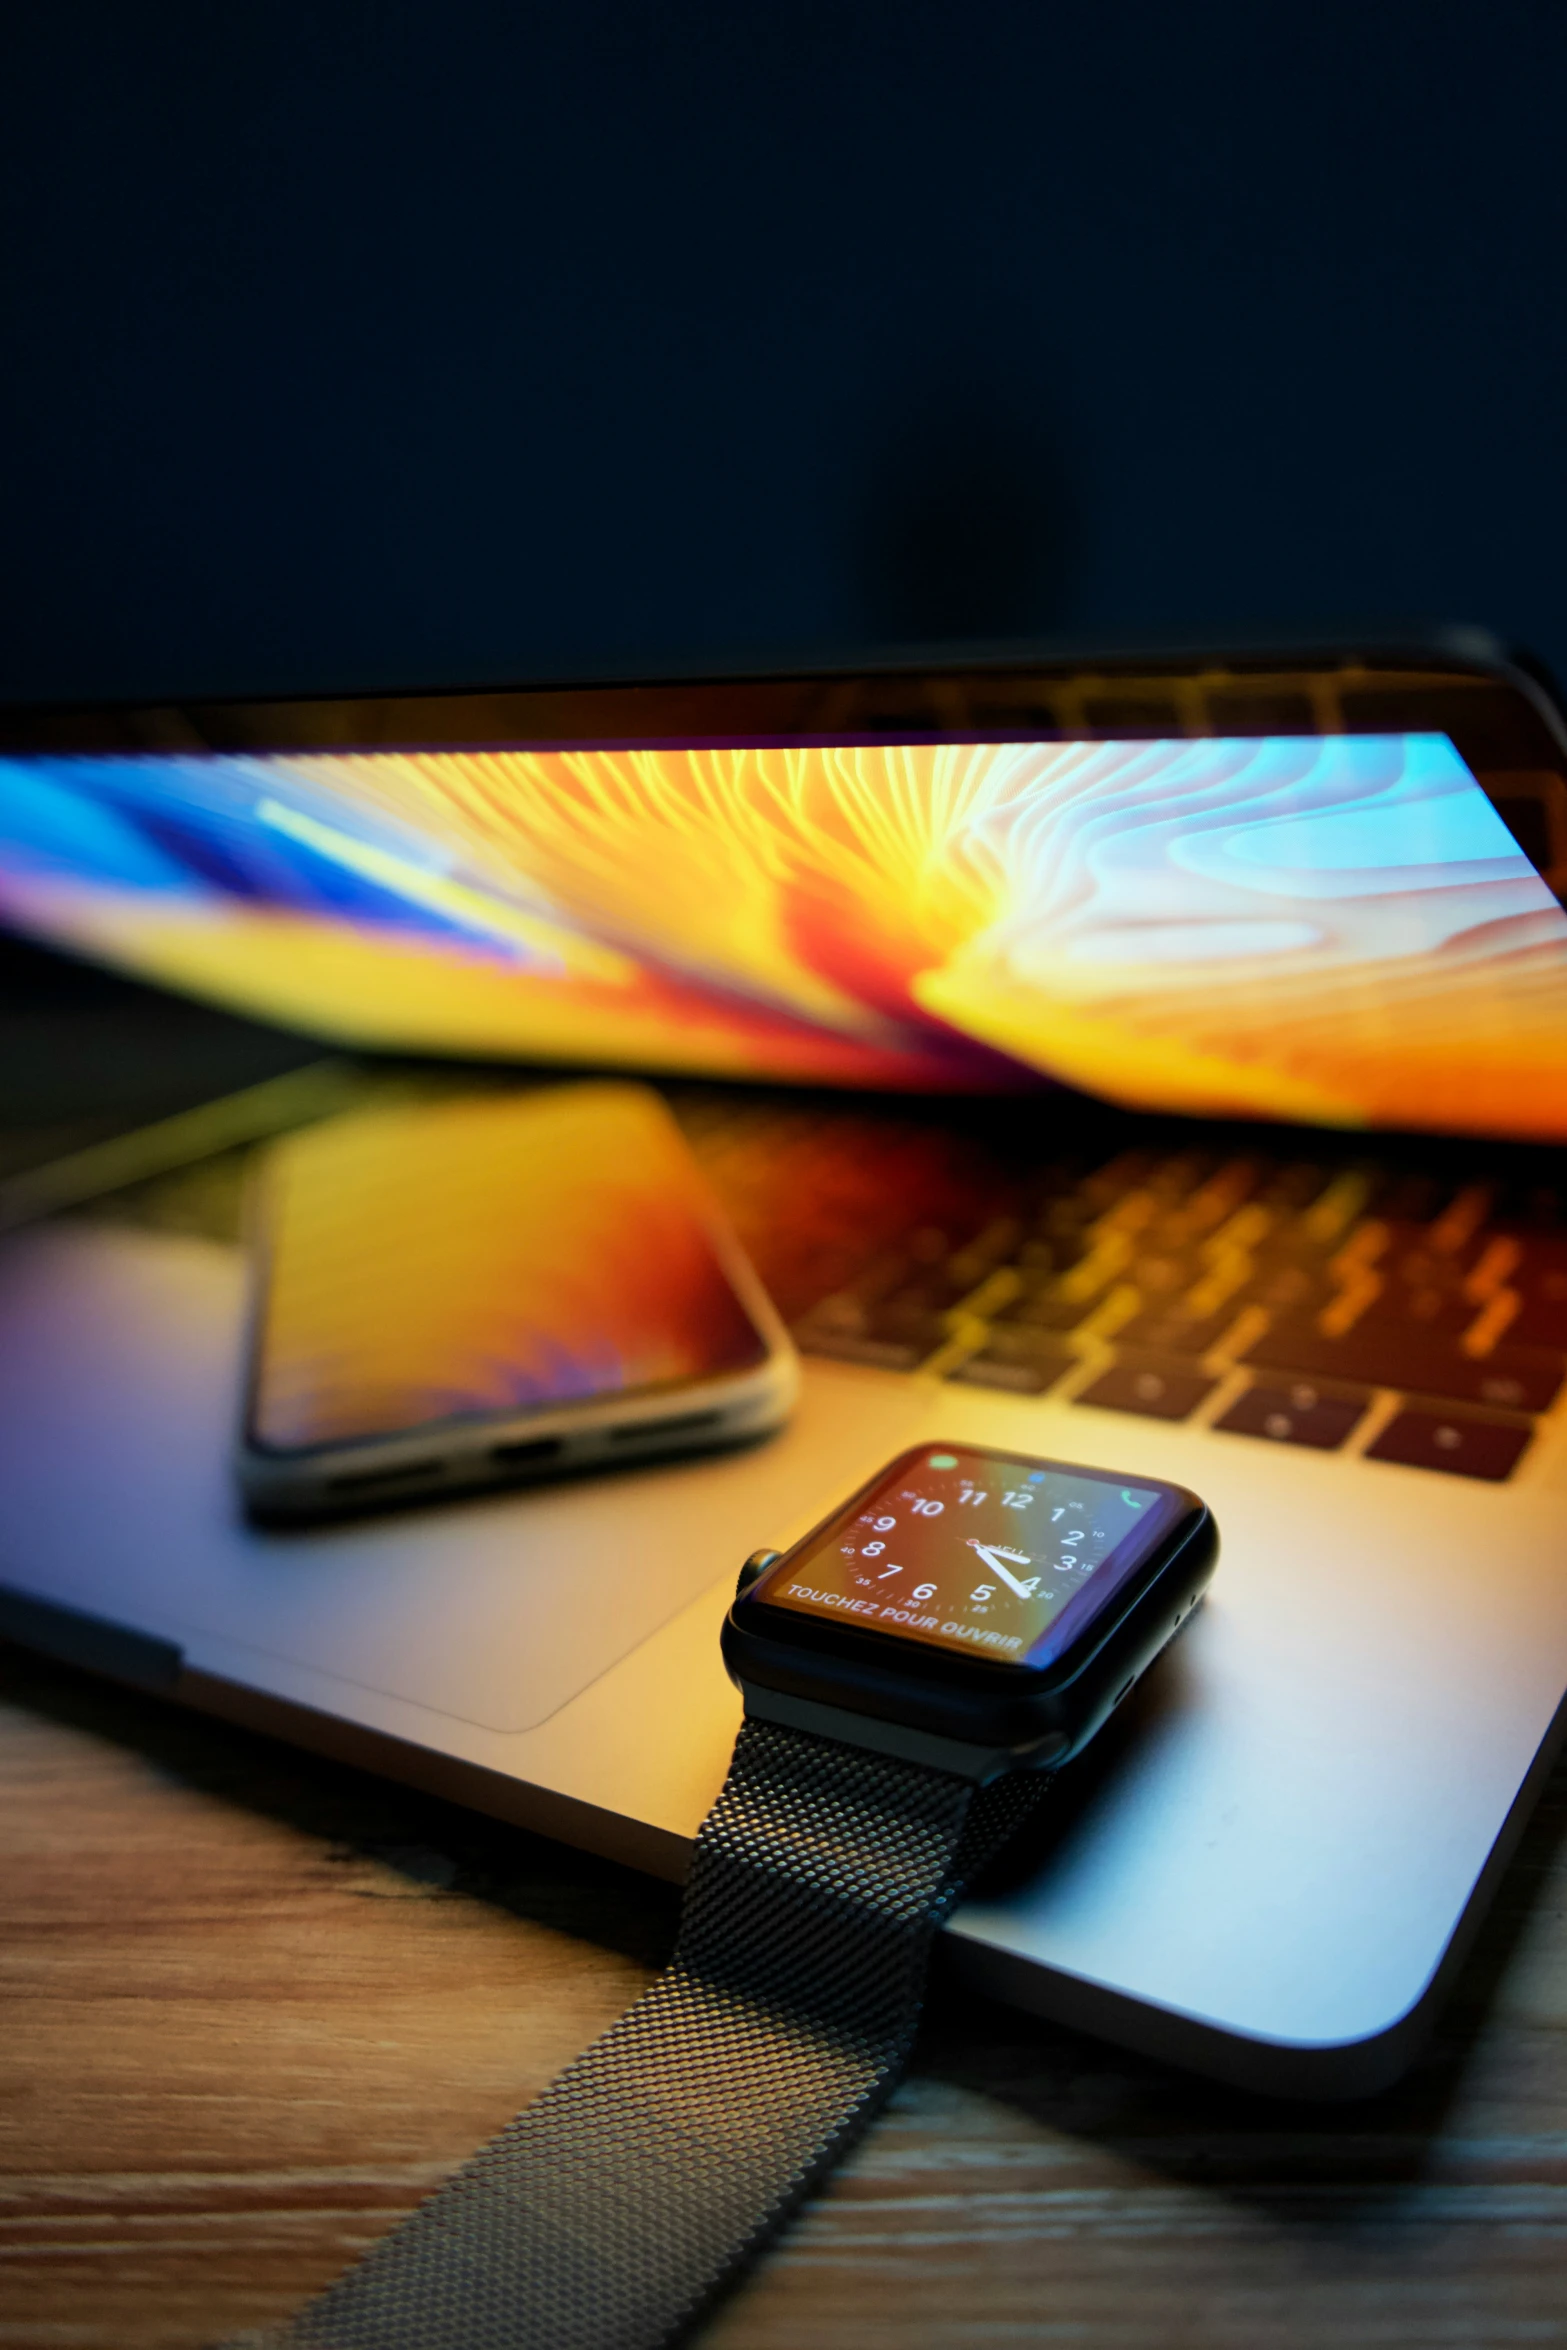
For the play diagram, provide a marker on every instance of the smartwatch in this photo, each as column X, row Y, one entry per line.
column 914, row 1671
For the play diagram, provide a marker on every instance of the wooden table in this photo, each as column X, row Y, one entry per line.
column 256, row 2004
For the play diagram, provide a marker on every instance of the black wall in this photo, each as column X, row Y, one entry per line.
column 389, row 342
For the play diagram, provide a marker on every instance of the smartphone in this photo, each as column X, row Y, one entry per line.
column 487, row 1287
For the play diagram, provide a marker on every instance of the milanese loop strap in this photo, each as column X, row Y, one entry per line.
column 611, row 2211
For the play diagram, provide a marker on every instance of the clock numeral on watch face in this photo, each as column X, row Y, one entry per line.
column 981, row 1503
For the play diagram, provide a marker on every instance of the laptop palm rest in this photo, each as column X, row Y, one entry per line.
column 1265, row 1876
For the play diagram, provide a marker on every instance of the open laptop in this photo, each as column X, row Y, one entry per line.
column 1154, row 1061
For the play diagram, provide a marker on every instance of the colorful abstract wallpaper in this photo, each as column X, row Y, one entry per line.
column 1332, row 929
column 406, row 1289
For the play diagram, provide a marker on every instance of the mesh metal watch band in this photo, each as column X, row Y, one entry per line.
column 614, row 2209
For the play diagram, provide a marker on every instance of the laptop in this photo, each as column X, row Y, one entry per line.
column 1155, row 1060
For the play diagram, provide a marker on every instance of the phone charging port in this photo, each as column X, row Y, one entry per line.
column 525, row 1449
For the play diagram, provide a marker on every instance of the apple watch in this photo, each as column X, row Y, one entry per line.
column 914, row 1671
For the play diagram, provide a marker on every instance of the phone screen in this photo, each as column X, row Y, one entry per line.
column 479, row 1256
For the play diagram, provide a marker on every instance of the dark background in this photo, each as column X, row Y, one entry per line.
column 389, row 343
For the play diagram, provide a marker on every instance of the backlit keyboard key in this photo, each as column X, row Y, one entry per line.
column 853, row 1346
column 1541, row 1319
column 1381, row 1354
column 1166, row 1392
column 1296, row 1414
column 1517, row 1380
column 1045, row 1309
column 1017, row 1378
column 1024, row 1361
column 1176, row 1333
column 890, row 1338
column 1452, row 1442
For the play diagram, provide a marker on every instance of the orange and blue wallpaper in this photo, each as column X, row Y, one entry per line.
column 1337, row 929
column 406, row 1287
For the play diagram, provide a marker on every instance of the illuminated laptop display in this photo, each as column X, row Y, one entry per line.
column 1336, row 929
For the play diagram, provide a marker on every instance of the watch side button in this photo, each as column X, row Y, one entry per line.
column 754, row 1569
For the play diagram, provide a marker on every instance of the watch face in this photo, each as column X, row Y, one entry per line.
column 984, row 1553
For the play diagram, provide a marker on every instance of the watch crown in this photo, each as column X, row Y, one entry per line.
column 755, row 1567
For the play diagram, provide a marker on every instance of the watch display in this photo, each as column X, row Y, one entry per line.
column 870, row 1784
column 996, row 1556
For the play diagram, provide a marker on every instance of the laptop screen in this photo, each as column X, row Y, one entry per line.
column 1336, row 929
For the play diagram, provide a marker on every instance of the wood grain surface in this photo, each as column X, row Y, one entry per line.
column 256, row 2004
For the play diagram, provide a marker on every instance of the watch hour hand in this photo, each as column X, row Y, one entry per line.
column 993, row 1559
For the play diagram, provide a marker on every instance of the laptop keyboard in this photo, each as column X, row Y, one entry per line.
column 1284, row 1301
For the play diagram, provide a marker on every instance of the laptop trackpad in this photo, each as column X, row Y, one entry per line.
column 118, row 1388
